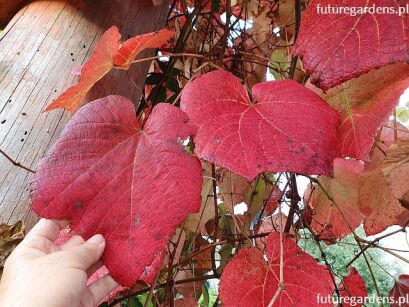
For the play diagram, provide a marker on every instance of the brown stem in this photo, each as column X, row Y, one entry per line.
column 16, row 163
column 216, row 219
column 162, row 285
column 295, row 198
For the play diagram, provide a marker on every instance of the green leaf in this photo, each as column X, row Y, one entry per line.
column 281, row 62
column 402, row 113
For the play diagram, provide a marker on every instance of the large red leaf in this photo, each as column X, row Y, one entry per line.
column 250, row 280
column 107, row 54
column 365, row 104
column 400, row 292
column 285, row 128
column 339, row 47
column 353, row 289
column 108, row 175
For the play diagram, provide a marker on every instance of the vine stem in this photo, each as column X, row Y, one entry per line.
column 281, row 285
column 162, row 285
column 216, row 218
column 15, row 163
column 376, row 240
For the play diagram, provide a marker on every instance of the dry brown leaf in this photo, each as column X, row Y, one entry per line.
column 196, row 221
column 10, row 236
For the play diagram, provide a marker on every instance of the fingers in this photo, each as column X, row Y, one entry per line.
column 84, row 255
column 93, row 268
column 47, row 229
column 73, row 241
column 102, row 287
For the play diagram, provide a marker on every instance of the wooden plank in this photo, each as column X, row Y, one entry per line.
column 38, row 50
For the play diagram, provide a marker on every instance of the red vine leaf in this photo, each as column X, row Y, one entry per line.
column 133, row 46
column 304, row 278
column 354, row 288
column 364, row 105
column 107, row 54
column 400, row 291
column 108, row 175
column 98, row 65
column 338, row 47
column 327, row 220
column 286, row 128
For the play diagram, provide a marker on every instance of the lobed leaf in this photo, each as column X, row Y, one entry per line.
column 134, row 185
column 304, row 278
column 108, row 53
column 286, row 128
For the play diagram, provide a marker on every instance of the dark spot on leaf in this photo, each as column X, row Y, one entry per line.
column 158, row 235
column 315, row 158
column 78, row 204
column 137, row 220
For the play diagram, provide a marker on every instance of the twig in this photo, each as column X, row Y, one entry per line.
column 281, row 285
column 216, row 219
column 295, row 198
column 162, row 285
column 16, row 163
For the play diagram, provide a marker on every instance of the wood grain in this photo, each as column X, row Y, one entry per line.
column 38, row 50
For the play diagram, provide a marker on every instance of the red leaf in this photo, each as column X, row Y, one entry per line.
column 286, row 128
column 107, row 175
column 400, row 292
column 354, row 289
column 98, row 65
column 339, row 47
column 108, row 52
column 365, row 104
column 133, row 46
column 248, row 280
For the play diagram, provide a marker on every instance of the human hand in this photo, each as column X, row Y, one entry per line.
column 40, row 273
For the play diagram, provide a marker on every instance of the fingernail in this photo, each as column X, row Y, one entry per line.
column 97, row 239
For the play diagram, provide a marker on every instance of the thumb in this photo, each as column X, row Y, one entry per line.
column 85, row 255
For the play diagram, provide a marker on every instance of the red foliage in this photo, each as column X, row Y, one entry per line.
column 354, row 288
column 400, row 292
column 107, row 54
column 250, row 280
column 338, row 47
column 102, row 168
column 285, row 127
